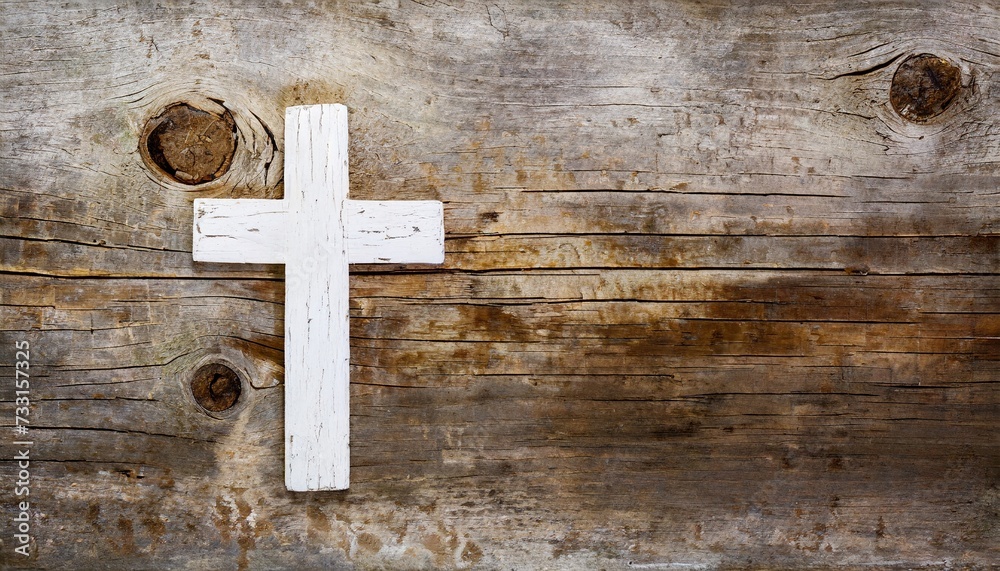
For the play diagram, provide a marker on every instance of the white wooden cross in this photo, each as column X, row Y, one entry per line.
column 316, row 231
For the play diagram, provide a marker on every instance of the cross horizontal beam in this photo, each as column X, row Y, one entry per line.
column 253, row 231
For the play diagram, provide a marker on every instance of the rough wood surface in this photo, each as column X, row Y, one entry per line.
column 708, row 301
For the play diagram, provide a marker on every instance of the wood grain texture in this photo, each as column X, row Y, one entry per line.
column 708, row 301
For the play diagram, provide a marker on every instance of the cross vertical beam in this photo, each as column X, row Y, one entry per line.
column 316, row 231
column 317, row 331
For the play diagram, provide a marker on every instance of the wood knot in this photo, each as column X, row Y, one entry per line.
column 216, row 387
column 189, row 145
column 924, row 86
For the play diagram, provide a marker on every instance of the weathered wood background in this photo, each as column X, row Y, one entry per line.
column 708, row 301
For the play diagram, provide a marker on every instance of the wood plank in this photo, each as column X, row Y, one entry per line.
column 708, row 301
column 402, row 232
